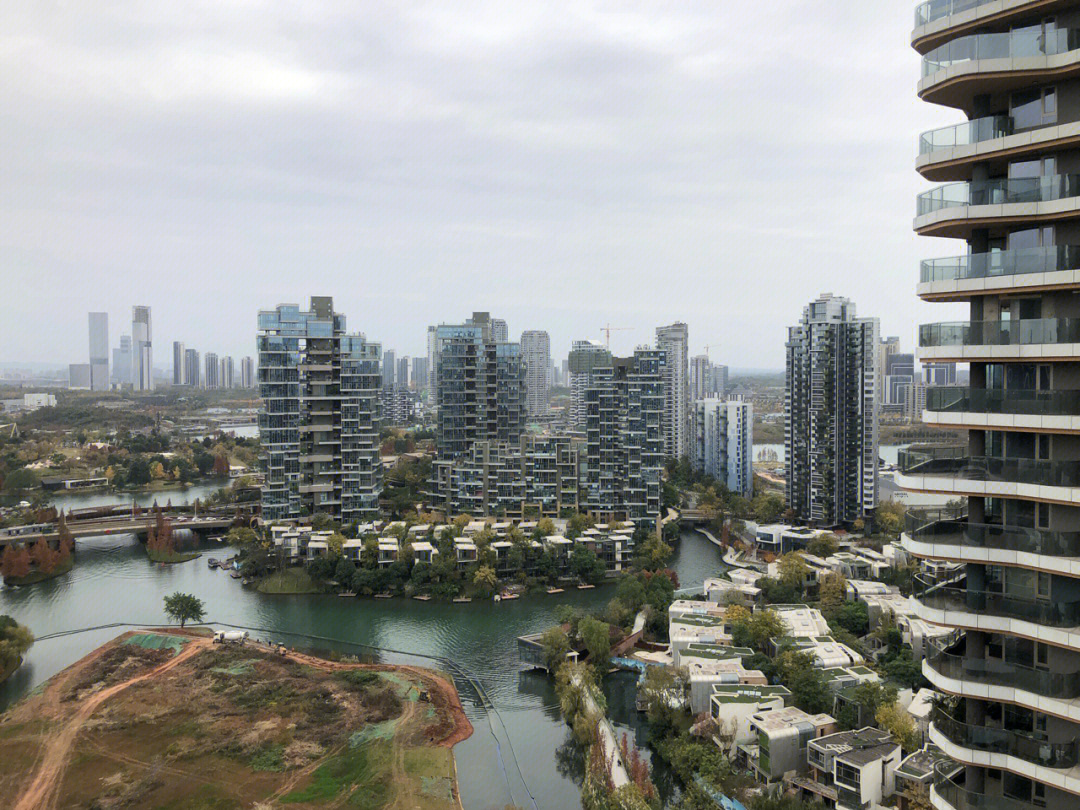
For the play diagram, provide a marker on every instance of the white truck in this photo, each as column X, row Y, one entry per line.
column 230, row 636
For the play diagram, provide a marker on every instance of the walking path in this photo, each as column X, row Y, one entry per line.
column 619, row 774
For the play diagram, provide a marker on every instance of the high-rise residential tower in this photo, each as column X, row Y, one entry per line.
column 585, row 355
column 226, row 376
column 536, row 352
column 624, row 406
column 1010, row 197
column 499, row 330
column 247, row 373
column 179, row 358
column 886, row 348
column 831, row 414
column 723, row 442
column 99, row 351
column 700, row 374
column 212, row 374
column 432, row 362
column 403, row 372
column 121, row 362
column 192, row 372
column 142, row 355
column 420, row 377
column 481, row 386
column 389, row 368
column 319, row 422
column 673, row 340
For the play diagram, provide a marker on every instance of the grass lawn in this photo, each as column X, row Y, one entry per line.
column 173, row 557
column 41, row 576
column 290, row 581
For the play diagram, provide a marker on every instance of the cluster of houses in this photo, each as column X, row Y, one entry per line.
column 612, row 544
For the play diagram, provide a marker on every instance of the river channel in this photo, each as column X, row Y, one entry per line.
column 520, row 752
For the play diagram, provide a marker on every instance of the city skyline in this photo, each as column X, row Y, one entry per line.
column 735, row 204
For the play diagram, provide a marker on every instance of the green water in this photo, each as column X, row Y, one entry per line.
column 520, row 748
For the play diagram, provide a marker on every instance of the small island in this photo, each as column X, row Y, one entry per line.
column 177, row 719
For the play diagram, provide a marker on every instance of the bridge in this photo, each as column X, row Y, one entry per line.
column 696, row 516
column 124, row 520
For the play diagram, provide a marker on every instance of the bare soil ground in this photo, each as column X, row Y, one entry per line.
column 214, row 728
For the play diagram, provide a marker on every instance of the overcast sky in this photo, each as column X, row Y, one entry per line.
column 562, row 165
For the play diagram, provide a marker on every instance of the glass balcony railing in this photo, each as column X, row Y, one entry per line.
column 958, row 399
column 1001, row 263
column 992, row 535
column 918, row 457
column 1006, row 605
column 960, row 798
column 936, row 9
column 1000, row 741
column 1001, row 333
column 1041, row 472
column 1000, row 191
column 969, row 132
column 1019, row 43
column 1061, row 685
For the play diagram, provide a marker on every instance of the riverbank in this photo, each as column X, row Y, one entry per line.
column 294, row 727
column 171, row 557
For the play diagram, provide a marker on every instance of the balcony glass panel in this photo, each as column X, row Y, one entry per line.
column 1001, row 333
column 1042, row 472
column 992, row 535
column 936, row 9
column 1000, row 191
column 958, row 399
column 1019, row 43
column 1062, row 685
column 1011, row 606
column 1001, row 263
column 996, row 740
column 957, row 796
column 969, row 132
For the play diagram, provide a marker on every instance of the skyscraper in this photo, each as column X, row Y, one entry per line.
column 830, row 414
column 480, row 384
column 420, row 377
column 1012, row 199
column 624, row 405
column 99, row 351
column 226, row 377
column 700, row 377
column 536, row 351
column 673, row 341
column 499, row 330
column 179, row 357
column 389, row 368
column 886, row 348
column 319, row 421
column 192, row 372
column 142, row 355
column 432, row 362
column 723, row 442
column 585, row 355
column 247, row 373
column 121, row 365
column 212, row 373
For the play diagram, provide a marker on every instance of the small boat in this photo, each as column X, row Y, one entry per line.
column 462, row 599
column 213, row 562
column 235, row 574
column 507, row 596
column 422, row 598
column 384, row 596
column 555, row 590
column 585, row 587
column 347, row 593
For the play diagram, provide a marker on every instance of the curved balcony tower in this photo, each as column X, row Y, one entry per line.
column 1006, row 188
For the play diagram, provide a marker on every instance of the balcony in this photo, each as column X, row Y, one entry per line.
column 1000, row 191
column 1030, row 339
column 947, row 790
column 1024, row 607
column 966, row 134
column 1003, row 409
column 992, row 672
column 978, row 272
column 961, row 534
column 1021, row 43
column 999, row 741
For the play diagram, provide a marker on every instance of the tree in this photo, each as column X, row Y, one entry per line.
column 807, row 684
column 631, row 592
column 757, row 628
column 184, row 607
column 486, row 579
column 854, row 617
column 767, row 507
column 869, row 697
column 597, row 638
column 242, row 536
column 899, row 723
column 545, row 527
column 653, row 554
column 663, row 690
column 832, row 593
column 15, row 562
column 15, row 640
column 889, row 517
column 43, row 556
column 824, row 545
column 344, row 571
column 586, row 565
column 556, row 646
column 793, row 570
column 20, row 480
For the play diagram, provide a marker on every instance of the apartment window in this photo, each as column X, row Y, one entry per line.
column 1034, row 108
column 1043, row 516
column 1031, row 169
column 847, row 774
column 1042, row 655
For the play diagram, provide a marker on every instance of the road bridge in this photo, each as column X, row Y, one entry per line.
column 129, row 523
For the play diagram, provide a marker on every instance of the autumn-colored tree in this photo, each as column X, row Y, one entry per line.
column 165, row 541
column 221, row 465
column 43, row 556
column 15, row 562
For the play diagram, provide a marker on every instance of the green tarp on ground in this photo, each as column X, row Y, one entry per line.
column 153, row 641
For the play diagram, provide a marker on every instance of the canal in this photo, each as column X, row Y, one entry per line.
column 520, row 753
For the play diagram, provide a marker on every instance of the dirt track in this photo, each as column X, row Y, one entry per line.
column 44, row 789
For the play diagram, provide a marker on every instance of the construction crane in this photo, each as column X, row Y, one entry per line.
column 607, row 330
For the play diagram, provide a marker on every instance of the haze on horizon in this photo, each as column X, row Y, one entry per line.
column 560, row 164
